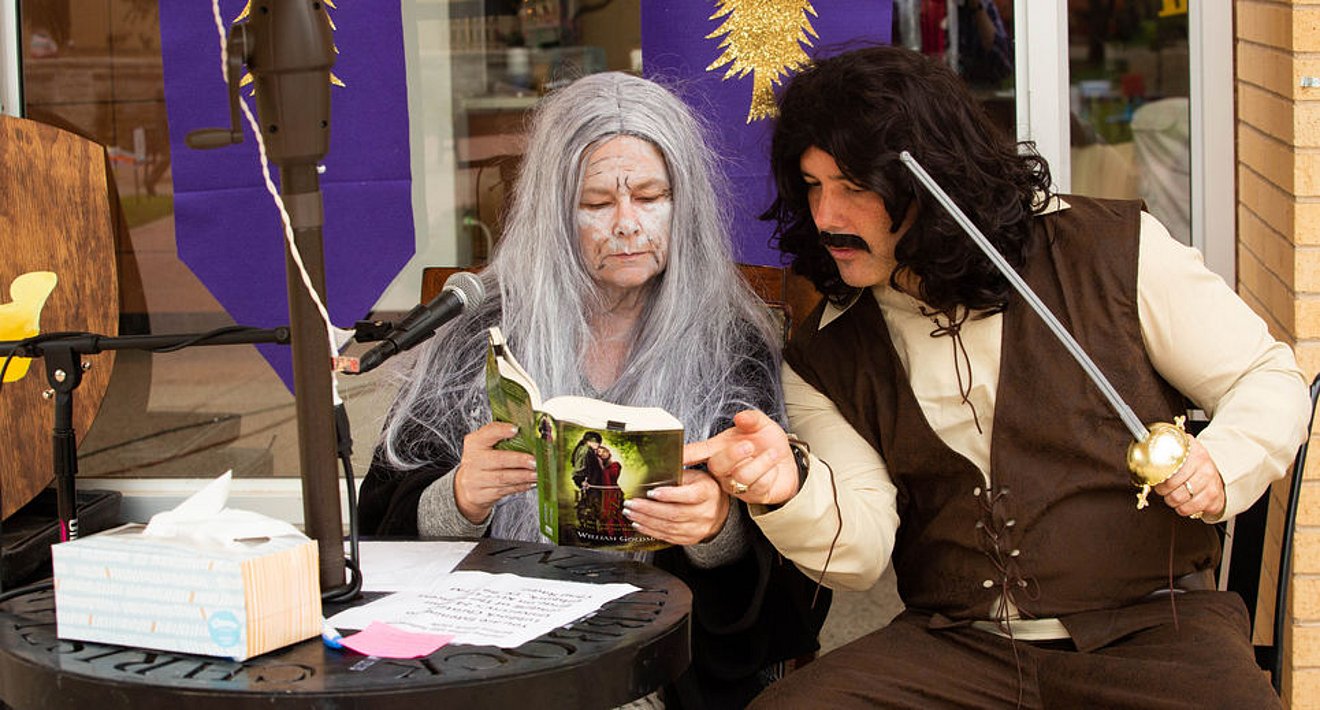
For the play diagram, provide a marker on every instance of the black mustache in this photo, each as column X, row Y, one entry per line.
column 844, row 241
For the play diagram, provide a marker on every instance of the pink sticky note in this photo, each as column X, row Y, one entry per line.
column 385, row 641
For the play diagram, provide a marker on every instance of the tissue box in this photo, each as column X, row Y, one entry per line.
column 171, row 594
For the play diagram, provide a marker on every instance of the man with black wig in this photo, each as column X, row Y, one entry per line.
column 952, row 436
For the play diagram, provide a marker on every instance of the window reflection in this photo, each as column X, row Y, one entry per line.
column 975, row 37
column 94, row 67
column 1129, row 69
column 502, row 56
column 475, row 68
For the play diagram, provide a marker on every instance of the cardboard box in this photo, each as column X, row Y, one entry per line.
column 170, row 594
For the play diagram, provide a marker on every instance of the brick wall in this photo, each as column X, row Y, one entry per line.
column 1278, row 181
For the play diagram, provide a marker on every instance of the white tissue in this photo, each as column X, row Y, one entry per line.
column 204, row 518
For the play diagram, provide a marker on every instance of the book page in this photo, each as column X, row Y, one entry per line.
column 599, row 414
column 408, row 565
column 486, row 609
column 514, row 397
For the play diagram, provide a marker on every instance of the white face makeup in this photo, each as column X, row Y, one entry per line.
column 623, row 214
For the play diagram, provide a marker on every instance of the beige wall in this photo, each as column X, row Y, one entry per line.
column 1278, row 179
column 617, row 28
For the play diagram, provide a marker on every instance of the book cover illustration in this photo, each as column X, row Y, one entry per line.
column 591, row 455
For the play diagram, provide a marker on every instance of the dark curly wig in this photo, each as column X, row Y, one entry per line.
column 865, row 106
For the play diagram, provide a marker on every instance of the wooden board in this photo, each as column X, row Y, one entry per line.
column 55, row 215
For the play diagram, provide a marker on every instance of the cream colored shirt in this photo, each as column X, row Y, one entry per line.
column 1199, row 335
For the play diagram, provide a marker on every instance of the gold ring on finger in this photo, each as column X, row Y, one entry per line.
column 737, row 486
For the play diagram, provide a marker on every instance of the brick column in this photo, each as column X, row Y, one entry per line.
column 1278, row 180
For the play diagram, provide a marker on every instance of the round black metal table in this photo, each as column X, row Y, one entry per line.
column 632, row 646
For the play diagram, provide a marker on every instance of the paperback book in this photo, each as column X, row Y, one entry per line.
column 591, row 455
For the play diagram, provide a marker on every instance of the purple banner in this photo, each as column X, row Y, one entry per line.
column 227, row 228
column 675, row 50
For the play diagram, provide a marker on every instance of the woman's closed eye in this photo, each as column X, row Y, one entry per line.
column 649, row 197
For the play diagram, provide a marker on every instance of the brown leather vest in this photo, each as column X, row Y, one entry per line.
column 1057, row 530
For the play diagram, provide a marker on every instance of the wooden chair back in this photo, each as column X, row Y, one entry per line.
column 434, row 278
column 789, row 296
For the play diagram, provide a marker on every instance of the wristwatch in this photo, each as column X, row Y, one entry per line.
column 800, row 451
column 800, row 457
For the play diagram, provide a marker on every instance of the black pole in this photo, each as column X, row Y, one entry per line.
column 64, row 444
column 323, row 519
column 64, row 368
column 287, row 47
column 290, row 55
column 90, row 344
column 64, row 373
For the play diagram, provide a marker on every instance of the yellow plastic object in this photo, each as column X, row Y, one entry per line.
column 21, row 317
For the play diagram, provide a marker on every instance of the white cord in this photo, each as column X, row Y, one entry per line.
column 331, row 330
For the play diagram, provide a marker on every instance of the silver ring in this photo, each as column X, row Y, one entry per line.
column 738, row 487
column 1188, row 486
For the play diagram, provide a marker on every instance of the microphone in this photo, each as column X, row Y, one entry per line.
column 462, row 291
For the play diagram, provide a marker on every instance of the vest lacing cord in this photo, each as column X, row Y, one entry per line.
column 997, row 547
column 954, row 330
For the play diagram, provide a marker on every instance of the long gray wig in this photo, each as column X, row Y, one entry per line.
column 700, row 335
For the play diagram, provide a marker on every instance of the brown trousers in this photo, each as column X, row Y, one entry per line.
column 1204, row 661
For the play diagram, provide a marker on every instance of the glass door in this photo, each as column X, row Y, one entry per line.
column 1129, row 96
column 1124, row 98
column 976, row 38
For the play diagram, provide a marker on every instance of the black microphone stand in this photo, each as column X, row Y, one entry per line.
column 287, row 46
column 62, row 354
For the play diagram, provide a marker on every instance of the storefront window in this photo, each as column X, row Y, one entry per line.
column 488, row 61
column 975, row 38
column 95, row 67
column 1131, row 116
column 473, row 69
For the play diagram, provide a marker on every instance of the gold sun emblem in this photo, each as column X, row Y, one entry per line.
column 766, row 38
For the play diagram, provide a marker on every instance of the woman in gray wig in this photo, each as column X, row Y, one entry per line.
column 614, row 279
